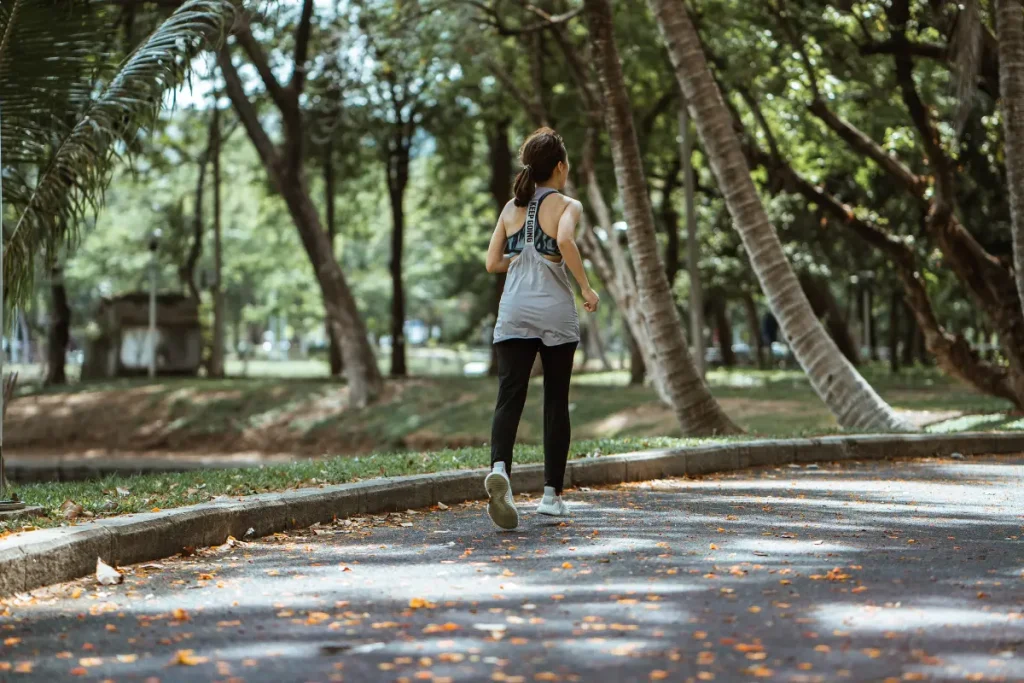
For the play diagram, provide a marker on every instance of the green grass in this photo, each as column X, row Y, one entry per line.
column 147, row 492
column 420, row 426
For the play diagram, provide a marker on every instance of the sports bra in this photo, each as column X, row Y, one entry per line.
column 544, row 243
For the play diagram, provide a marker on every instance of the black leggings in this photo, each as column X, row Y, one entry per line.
column 515, row 361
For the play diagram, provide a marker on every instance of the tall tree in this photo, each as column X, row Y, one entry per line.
column 850, row 398
column 1010, row 25
column 284, row 166
column 59, row 329
column 694, row 406
column 217, row 289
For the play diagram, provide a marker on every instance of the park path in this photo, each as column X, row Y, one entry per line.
column 906, row 571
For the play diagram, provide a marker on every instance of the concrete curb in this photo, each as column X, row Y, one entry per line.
column 31, row 469
column 49, row 556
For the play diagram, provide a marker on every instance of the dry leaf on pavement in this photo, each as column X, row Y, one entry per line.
column 107, row 575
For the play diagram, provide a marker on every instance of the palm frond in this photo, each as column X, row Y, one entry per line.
column 69, row 106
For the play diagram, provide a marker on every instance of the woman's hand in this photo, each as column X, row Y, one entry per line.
column 590, row 300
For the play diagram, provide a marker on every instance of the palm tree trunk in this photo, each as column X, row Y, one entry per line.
column 696, row 409
column 1010, row 19
column 850, row 398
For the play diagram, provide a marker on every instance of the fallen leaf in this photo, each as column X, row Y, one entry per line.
column 79, row 671
column 70, row 510
column 421, row 603
column 107, row 575
column 659, row 675
column 23, row 668
column 180, row 614
column 188, row 658
column 441, row 628
column 127, row 659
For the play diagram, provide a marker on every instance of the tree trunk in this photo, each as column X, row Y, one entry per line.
column 398, row 180
column 364, row 379
column 825, row 307
column 637, row 368
column 334, row 347
column 187, row 272
column 501, row 191
column 670, row 222
column 911, row 330
column 595, row 335
column 869, row 320
column 850, row 398
column 754, row 328
column 719, row 307
column 692, row 243
column 920, row 348
column 895, row 308
column 219, row 322
column 696, row 409
column 60, row 329
column 1010, row 20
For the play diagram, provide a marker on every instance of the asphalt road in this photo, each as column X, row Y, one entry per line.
column 867, row 572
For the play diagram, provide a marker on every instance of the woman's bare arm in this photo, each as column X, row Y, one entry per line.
column 496, row 261
column 571, row 253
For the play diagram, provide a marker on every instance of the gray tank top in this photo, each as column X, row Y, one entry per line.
column 538, row 301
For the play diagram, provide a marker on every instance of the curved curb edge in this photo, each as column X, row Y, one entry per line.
column 49, row 556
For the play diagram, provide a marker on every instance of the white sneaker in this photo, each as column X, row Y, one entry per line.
column 552, row 505
column 501, row 507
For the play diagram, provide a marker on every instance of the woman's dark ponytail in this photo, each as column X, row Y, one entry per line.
column 524, row 186
column 539, row 156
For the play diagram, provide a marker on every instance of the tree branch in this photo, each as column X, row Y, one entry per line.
column 247, row 115
column 249, row 44
column 492, row 18
column 302, row 49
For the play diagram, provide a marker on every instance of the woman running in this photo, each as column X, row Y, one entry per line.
column 534, row 242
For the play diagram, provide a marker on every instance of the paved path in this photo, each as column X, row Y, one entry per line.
column 873, row 572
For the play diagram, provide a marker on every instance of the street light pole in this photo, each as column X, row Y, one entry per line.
column 154, row 242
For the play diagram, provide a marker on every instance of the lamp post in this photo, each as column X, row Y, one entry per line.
column 154, row 243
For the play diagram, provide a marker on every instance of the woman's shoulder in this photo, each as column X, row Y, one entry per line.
column 560, row 202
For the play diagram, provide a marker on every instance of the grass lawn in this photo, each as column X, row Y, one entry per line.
column 147, row 492
column 308, row 416
column 421, row 425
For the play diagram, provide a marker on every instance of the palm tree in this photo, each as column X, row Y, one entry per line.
column 850, row 398
column 695, row 407
column 69, row 106
column 1010, row 24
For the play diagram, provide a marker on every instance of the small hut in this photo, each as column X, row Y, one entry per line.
column 120, row 347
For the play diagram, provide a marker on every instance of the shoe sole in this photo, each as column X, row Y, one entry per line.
column 497, row 509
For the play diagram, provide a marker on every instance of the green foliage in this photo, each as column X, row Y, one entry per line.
column 70, row 106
